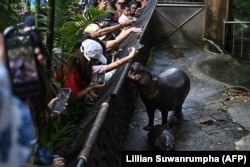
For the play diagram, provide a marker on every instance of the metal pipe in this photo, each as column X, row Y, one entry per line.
column 180, row 5
column 120, row 82
column 237, row 22
column 224, row 35
column 88, row 145
column 242, row 36
column 233, row 39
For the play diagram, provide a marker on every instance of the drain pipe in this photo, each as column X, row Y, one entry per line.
column 88, row 145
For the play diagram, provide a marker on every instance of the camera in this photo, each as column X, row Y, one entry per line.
column 22, row 63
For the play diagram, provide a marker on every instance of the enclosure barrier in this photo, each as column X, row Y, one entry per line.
column 83, row 156
column 236, row 38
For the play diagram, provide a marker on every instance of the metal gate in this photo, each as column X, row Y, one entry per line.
column 236, row 38
column 179, row 23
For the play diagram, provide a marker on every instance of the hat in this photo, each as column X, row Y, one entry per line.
column 91, row 49
column 92, row 27
column 29, row 21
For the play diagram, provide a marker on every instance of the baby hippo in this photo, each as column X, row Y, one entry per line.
column 160, row 138
column 165, row 92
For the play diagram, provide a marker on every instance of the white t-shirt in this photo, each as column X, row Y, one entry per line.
column 122, row 18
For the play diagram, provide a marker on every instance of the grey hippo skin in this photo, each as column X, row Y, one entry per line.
column 165, row 92
column 160, row 138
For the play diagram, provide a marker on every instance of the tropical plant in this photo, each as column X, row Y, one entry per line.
column 74, row 27
column 241, row 9
column 7, row 15
column 63, row 26
column 59, row 128
column 62, row 33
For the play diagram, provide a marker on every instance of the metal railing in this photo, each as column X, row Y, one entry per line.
column 181, row 3
column 236, row 38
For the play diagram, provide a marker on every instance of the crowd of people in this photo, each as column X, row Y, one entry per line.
column 22, row 120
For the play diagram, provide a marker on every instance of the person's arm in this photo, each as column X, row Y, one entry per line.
column 110, row 44
column 102, row 5
column 121, row 61
column 113, row 28
column 2, row 49
column 81, row 94
column 57, row 162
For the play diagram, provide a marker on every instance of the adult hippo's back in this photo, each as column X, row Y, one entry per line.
column 165, row 92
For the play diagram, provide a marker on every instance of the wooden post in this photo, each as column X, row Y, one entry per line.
column 216, row 12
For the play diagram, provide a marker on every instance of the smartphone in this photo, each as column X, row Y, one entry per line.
column 62, row 97
column 22, row 63
column 100, row 78
column 138, row 46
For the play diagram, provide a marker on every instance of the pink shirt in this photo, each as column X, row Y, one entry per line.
column 98, row 69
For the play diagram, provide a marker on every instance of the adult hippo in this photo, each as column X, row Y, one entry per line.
column 165, row 92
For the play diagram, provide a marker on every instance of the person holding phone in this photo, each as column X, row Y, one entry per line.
column 86, row 62
column 16, row 130
column 41, row 111
column 15, row 121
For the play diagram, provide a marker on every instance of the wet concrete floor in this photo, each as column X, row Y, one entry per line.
column 214, row 117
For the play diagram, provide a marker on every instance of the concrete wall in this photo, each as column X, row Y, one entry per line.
column 179, row 25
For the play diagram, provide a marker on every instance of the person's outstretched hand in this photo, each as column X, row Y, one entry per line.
column 2, row 49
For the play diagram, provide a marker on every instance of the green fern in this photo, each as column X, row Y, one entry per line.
column 68, row 27
column 8, row 16
column 72, row 29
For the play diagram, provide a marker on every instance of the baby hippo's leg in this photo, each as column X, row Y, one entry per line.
column 151, row 117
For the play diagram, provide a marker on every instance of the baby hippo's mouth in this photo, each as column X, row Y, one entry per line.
column 132, row 74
